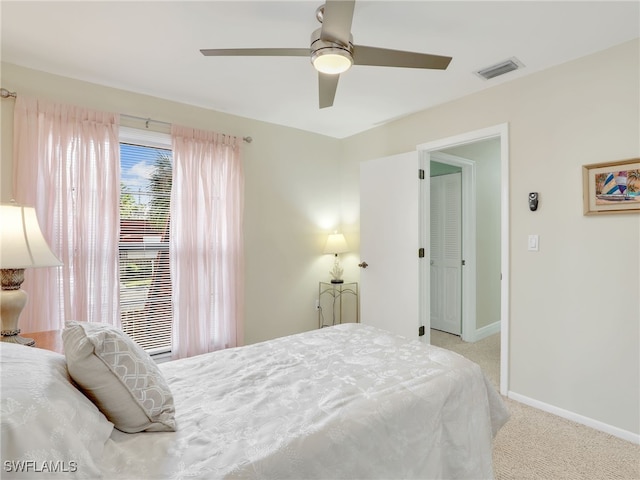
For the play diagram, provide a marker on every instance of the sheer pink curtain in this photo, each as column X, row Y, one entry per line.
column 67, row 165
column 207, row 259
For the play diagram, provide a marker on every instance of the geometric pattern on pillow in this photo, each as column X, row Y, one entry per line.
column 121, row 378
column 138, row 372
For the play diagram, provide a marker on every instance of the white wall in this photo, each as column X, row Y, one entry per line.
column 575, row 314
column 292, row 197
column 575, row 317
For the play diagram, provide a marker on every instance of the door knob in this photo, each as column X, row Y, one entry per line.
column 363, row 265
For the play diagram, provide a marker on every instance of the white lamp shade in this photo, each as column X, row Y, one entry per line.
column 21, row 242
column 336, row 243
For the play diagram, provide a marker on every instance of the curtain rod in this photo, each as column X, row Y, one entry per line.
column 149, row 120
column 4, row 93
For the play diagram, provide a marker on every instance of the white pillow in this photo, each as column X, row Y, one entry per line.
column 48, row 425
column 119, row 377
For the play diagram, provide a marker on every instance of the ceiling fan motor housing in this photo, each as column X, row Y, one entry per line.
column 329, row 56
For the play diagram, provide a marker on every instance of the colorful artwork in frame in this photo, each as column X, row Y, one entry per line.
column 611, row 187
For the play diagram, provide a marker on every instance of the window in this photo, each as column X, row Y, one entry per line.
column 145, row 283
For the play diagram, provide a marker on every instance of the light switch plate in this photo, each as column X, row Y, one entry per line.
column 533, row 245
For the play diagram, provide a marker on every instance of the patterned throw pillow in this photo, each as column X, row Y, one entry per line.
column 119, row 377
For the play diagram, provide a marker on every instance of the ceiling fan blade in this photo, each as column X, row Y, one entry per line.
column 384, row 57
column 255, row 52
column 336, row 20
column 328, row 84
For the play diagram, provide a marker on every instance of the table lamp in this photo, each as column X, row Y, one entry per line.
column 336, row 244
column 22, row 245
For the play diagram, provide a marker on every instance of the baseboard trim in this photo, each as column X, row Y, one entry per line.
column 487, row 330
column 589, row 422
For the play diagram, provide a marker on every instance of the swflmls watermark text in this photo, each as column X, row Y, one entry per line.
column 49, row 466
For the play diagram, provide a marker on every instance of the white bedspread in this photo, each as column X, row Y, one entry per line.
column 349, row 401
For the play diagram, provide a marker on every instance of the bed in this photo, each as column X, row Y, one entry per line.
column 348, row 401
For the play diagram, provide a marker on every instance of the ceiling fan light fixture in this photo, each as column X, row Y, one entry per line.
column 330, row 56
column 332, row 51
column 332, row 60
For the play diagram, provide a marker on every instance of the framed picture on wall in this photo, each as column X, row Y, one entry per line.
column 611, row 187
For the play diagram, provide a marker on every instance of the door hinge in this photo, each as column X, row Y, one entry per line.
column 464, row 262
column 421, row 174
column 421, row 331
column 421, row 253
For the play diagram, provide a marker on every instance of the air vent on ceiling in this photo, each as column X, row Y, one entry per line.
column 500, row 68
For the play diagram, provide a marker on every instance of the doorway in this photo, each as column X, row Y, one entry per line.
column 395, row 285
column 467, row 253
column 497, row 262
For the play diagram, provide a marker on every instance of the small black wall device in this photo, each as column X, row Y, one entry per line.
column 533, row 201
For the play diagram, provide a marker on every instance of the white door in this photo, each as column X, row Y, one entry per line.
column 390, row 235
column 446, row 253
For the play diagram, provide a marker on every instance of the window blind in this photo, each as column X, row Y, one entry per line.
column 145, row 282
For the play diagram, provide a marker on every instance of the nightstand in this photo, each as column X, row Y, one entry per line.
column 48, row 340
column 339, row 301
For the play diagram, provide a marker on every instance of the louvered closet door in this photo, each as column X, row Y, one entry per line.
column 446, row 253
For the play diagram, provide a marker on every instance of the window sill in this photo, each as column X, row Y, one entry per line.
column 161, row 356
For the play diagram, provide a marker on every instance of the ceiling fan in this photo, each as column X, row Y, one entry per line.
column 333, row 52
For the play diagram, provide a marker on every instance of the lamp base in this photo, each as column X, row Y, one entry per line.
column 12, row 301
column 337, row 271
column 10, row 337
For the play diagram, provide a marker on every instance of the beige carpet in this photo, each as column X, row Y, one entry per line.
column 535, row 445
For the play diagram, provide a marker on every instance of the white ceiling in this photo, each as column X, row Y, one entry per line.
column 153, row 48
